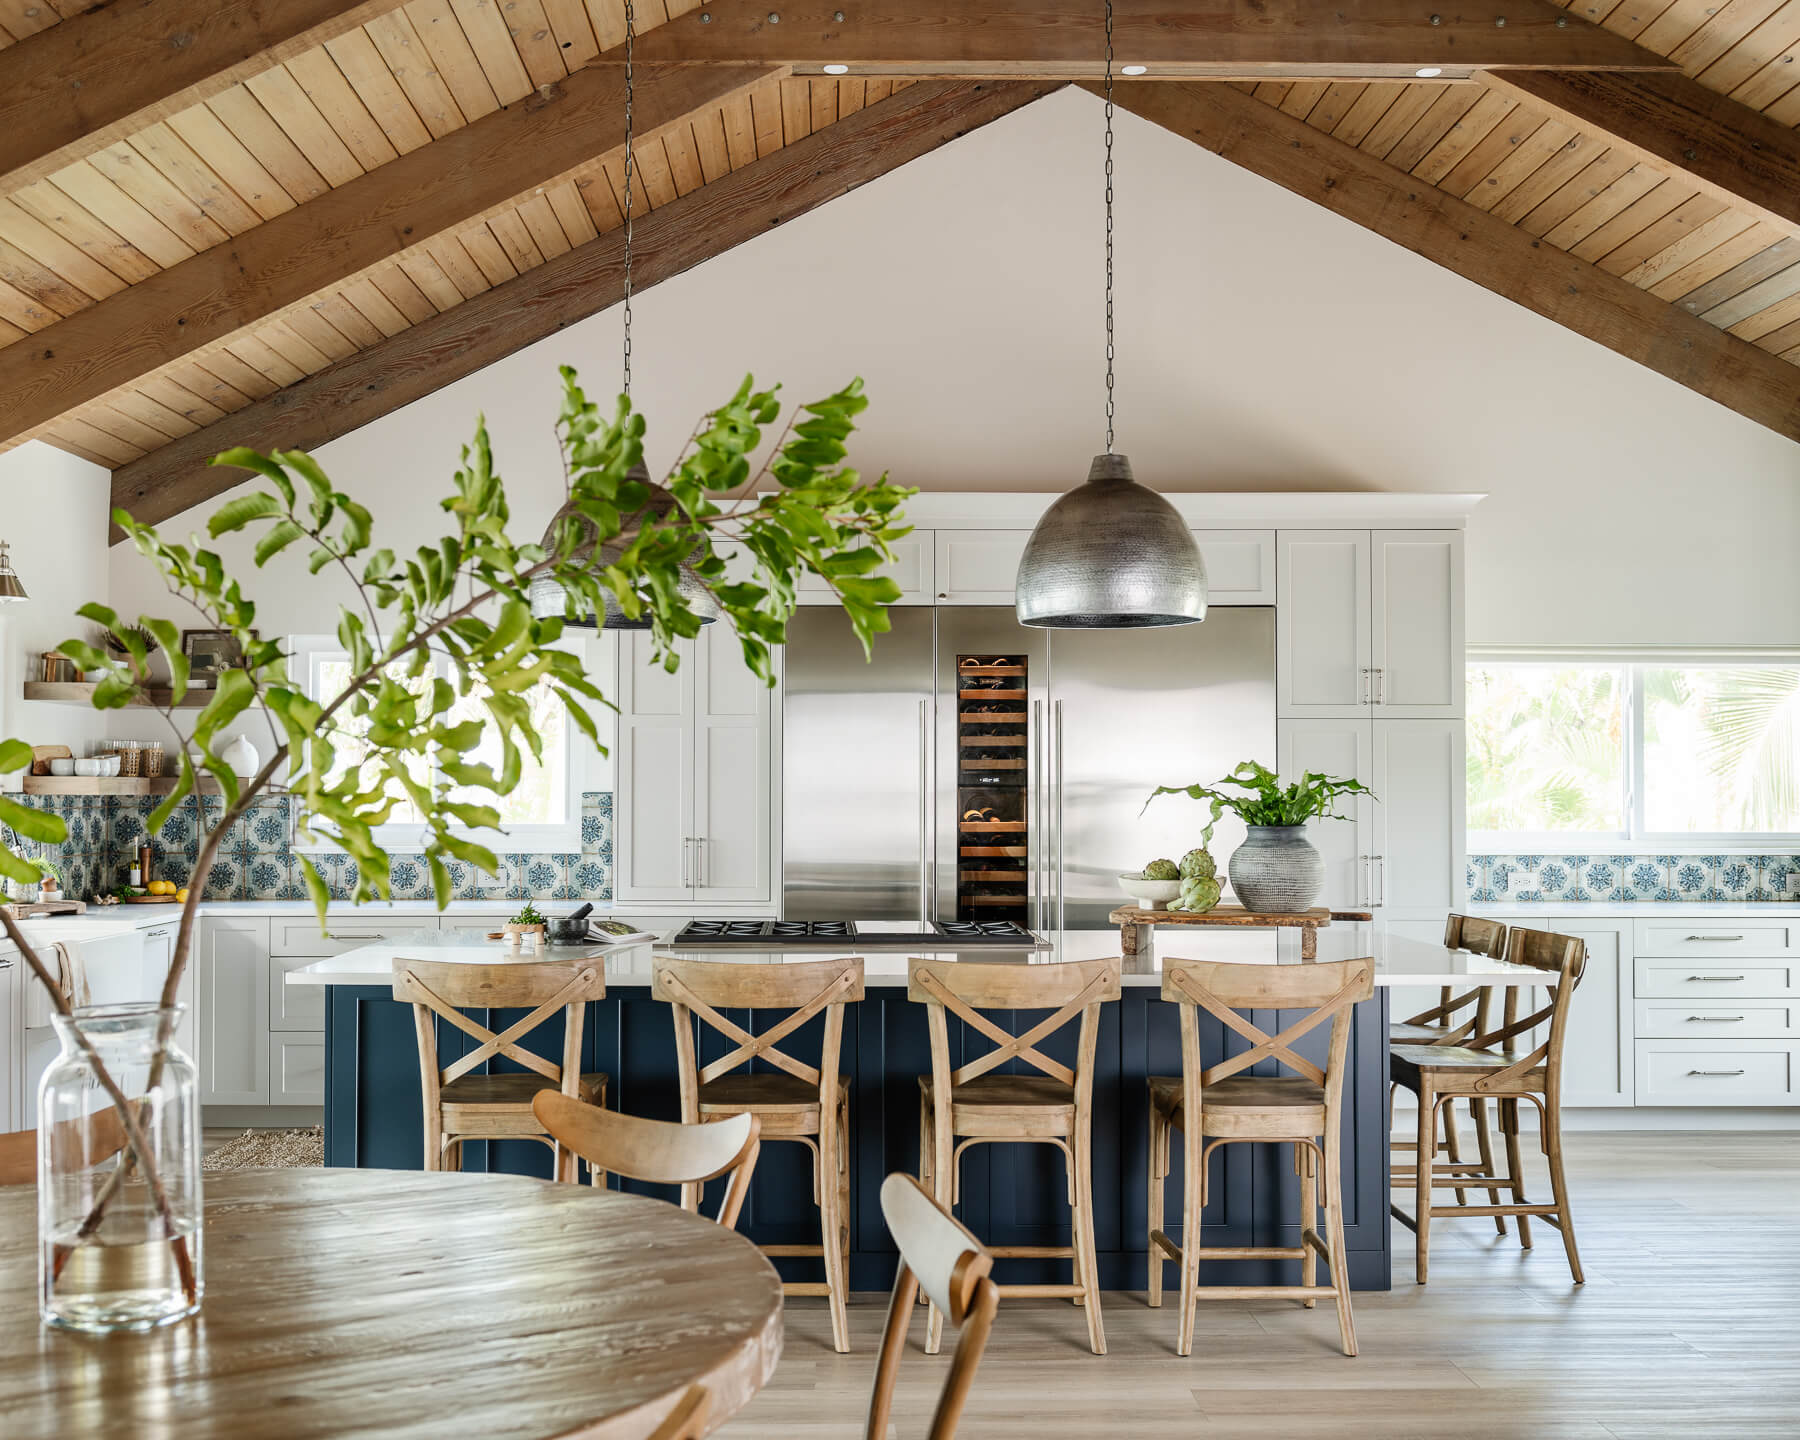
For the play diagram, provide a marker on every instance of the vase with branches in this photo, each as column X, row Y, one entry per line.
column 441, row 630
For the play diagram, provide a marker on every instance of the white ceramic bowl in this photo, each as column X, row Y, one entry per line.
column 62, row 765
column 109, row 764
column 89, row 767
column 1150, row 894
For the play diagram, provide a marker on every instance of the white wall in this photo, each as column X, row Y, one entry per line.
column 54, row 508
column 1263, row 344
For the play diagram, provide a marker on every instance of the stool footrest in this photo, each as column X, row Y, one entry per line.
column 1032, row 1252
column 791, row 1250
column 1251, row 1252
column 1055, row 1292
column 805, row 1287
column 1266, row 1292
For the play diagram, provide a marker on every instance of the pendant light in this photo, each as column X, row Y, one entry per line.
column 549, row 598
column 1110, row 554
column 10, row 588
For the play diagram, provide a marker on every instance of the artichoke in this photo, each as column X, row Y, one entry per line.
column 1198, row 865
column 1161, row 870
column 1198, row 894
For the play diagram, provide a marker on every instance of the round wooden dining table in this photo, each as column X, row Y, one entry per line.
column 399, row 1303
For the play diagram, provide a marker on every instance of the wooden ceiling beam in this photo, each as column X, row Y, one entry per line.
column 1733, row 153
column 1217, row 39
column 1478, row 246
column 456, row 179
column 674, row 237
column 75, row 88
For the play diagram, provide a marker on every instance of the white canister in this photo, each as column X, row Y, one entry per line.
column 241, row 756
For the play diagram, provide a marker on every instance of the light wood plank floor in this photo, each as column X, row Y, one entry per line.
column 1688, row 1329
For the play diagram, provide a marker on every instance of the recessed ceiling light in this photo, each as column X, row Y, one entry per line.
column 1429, row 72
column 837, row 69
column 1133, row 69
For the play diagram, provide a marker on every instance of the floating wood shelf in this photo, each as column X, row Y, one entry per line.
column 110, row 785
column 81, row 692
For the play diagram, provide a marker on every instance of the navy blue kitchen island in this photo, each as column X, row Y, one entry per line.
column 1012, row 1194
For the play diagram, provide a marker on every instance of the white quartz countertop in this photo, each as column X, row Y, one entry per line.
column 1646, row 909
column 1398, row 961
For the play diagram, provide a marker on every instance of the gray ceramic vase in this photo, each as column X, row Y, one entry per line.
column 1276, row 869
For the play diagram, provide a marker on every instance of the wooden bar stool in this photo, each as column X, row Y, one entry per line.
column 942, row 1260
column 463, row 1105
column 971, row 1105
column 1440, row 1025
column 1218, row 1105
column 1481, row 1069
column 657, row 1151
column 806, row 1104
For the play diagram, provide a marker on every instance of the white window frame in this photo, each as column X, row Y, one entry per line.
column 1637, row 838
column 306, row 652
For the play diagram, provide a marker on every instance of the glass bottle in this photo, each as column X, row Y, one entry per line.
column 119, row 1241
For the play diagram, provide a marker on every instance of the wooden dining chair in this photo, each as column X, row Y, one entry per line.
column 460, row 1103
column 941, row 1258
column 1451, row 1021
column 18, row 1158
column 974, row 1104
column 102, row 1133
column 658, row 1152
column 1485, row 1069
column 794, row 1100
column 1215, row 1105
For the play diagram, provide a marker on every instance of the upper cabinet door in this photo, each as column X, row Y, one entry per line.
column 733, row 853
column 1418, row 623
column 1240, row 566
column 978, row 567
column 912, row 568
column 1322, row 622
column 653, row 849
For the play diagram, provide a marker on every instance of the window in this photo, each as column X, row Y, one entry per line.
column 541, row 813
column 1628, row 751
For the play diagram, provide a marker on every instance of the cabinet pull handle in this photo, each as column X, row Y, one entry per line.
column 1368, row 885
column 1713, row 939
column 1715, row 977
column 699, row 862
column 1719, row 1019
column 1362, row 693
column 1380, row 685
column 1715, row 1072
column 349, row 935
column 1381, row 877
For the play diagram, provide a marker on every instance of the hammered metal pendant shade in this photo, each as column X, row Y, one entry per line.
column 1110, row 555
column 549, row 598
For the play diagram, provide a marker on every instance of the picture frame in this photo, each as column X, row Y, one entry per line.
column 208, row 653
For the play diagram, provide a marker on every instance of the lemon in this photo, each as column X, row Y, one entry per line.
column 182, row 895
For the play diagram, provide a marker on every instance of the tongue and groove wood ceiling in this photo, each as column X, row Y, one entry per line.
column 94, row 237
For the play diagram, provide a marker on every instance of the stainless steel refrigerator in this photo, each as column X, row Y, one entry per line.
column 978, row 769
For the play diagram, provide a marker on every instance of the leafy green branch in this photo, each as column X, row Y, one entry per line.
column 1257, row 796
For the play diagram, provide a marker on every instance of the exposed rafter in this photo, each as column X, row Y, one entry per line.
column 673, row 238
column 1238, row 39
column 369, row 220
column 1476, row 245
column 1728, row 150
column 79, row 86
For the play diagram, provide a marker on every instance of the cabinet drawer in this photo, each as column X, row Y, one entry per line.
column 1749, row 1072
column 1718, row 938
column 1742, row 1019
column 1710, row 978
column 294, row 1007
column 299, row 934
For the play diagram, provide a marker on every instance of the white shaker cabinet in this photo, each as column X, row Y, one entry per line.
column 159, row 952
column 695, row 775
column 1343, row 749
column 1370, row 623
column 912, row 569
column 978, row 567
column 1417, row 863
column 233, row 995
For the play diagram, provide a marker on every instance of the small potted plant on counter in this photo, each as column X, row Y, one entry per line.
column 1276, row 869
column 529, row 921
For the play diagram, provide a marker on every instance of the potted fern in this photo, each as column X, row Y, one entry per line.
column 1276, row 869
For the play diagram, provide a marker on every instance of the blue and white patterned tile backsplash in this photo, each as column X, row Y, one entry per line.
column 256, row 863
column 1565, row 879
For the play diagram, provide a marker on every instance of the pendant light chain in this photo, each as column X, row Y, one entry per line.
column 1109, row 227
column 630, row 38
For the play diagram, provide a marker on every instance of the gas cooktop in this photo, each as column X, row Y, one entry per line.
column 885, row 933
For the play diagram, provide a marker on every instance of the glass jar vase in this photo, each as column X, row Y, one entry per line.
column 119, row 1237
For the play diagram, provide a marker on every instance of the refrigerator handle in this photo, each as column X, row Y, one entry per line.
column 1037, row 841
column 1056, row 800
column 925, row 906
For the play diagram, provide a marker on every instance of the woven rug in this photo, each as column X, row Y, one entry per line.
column 269, row 1150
